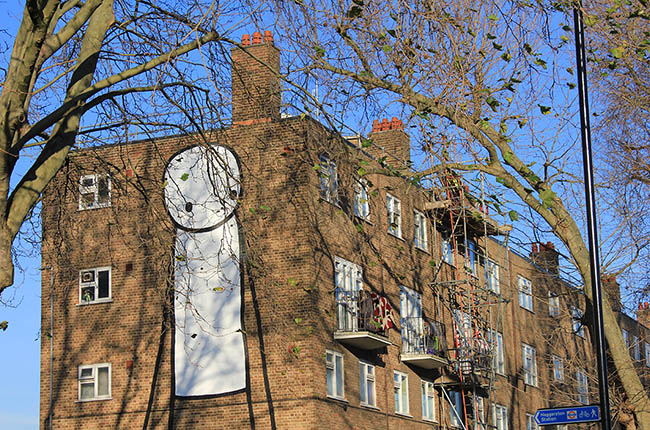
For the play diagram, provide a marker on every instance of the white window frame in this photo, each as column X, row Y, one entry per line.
column 530, row 422
column 583, row 387
column 394, row 212
column 499, row 361
column 525, row 293
column 85, row 283
column 456, row 413
column 428, row 401
column 647, row 353
column 348, row 280
column 481, row 423
column 411, row 321
column 500, row 416
column 93, row 379
column 626, row 337
column 420, row 235
column 367, row 393
column 471, row 257
column 329, row 183
column 636, row 348
column 361, row 199
column 553, row 304
column 447, row 249
column 576, row 323
column 401, row 391
column 558, row 368
column 492, row 276
column 335, row 375
column 89, row 184
column 529, row 360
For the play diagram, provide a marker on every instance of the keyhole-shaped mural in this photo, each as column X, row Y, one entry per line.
column 201, row 189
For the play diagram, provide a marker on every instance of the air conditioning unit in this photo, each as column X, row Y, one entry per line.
column 88, row 276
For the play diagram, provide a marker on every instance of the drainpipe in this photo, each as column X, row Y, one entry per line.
column 49, row 420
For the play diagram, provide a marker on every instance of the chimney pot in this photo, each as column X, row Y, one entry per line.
column 385, row 125
column 268, row 37
column 535, row 248
column 246, row 40
column 645, row 305
column 395, row 124
column 375, row 126
column 257, row 38
column 640, row 306
column 550, row 245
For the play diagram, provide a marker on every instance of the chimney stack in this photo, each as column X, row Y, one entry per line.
column 545, row 256
column 613, row 291
column 643, row 314
column 390, row 136
column 256, row 89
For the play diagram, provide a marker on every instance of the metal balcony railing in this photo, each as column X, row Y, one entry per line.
column 423, row 336
column 356, row 312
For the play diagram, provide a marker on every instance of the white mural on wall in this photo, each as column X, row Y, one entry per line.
column 201, row 187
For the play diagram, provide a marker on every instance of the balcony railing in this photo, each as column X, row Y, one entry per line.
column 424, row 342
column 359, row 321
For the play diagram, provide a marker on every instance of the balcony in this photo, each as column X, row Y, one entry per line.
column 423, row 343
column 362, row 319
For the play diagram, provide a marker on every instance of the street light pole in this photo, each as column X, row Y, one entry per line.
column 597, row 304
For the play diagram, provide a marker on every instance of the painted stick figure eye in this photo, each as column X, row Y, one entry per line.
column 201, row 187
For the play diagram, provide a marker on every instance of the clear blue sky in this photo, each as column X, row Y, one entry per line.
column 20, row 343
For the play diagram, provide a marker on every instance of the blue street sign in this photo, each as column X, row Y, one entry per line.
column 577, row 414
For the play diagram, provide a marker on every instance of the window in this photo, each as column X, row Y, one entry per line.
column 420, row 223
column 529, row 356
column 367, row 390
column 329, row 184
column 411, row 319
column 558, row 368
column 95, row 382
column 530, row 422
column 647, row 353
column 456, row 409
column 471, row 256
column 428, row 401
column 448, row 249
column 492, row 276
column 626, row 337
column 496, row 340
column 578, row 328
column 553, row 305
column 348, row 279
column 334, row 364
column 95, row 285
column 394, row 215
column 583, row 387
column 401, row 389
column 361, row 202
column 94, row 191
column 636, row 348
column 481, row 423
column 525, row 293
column 500, row 415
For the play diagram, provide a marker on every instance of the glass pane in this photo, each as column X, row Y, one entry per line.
column 88, row 294
column 330, row 382
column 371, row 393
column 102, row 381
column 87, row 391
column 363, row 388
column 103, row 196
column 86, row 373
column 103, row 284
column 87, row 199
column 339, row 376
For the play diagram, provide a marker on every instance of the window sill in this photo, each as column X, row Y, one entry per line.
column 403, row 414
column 425, row 250
column 526, row 309
column 364, row 219
column 338, row 399
column 95, row 302
column 94, row 207
column 396, row 236
column 374, row 408
column 99, row 399
column 429, row 420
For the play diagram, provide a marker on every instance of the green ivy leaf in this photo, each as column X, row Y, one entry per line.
column 493, row 17
column 387, row 49
column 506, row 57
column 491, row 36
column 548, row 198
column 320, row 52
column 497, row 46
column 184, row 176
column 514, row 216
column 4, row 325
column 492, row 102
column 590, row 20
column 571, row 85
column 522, row 122
column 618, row 52
column 545, row 110
column 298, row 320
column 540, row 62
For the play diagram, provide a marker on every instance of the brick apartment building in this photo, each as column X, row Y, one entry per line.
column 308, row 285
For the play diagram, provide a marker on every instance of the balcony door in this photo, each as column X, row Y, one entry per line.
column 411, row 319
column 349, row 281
